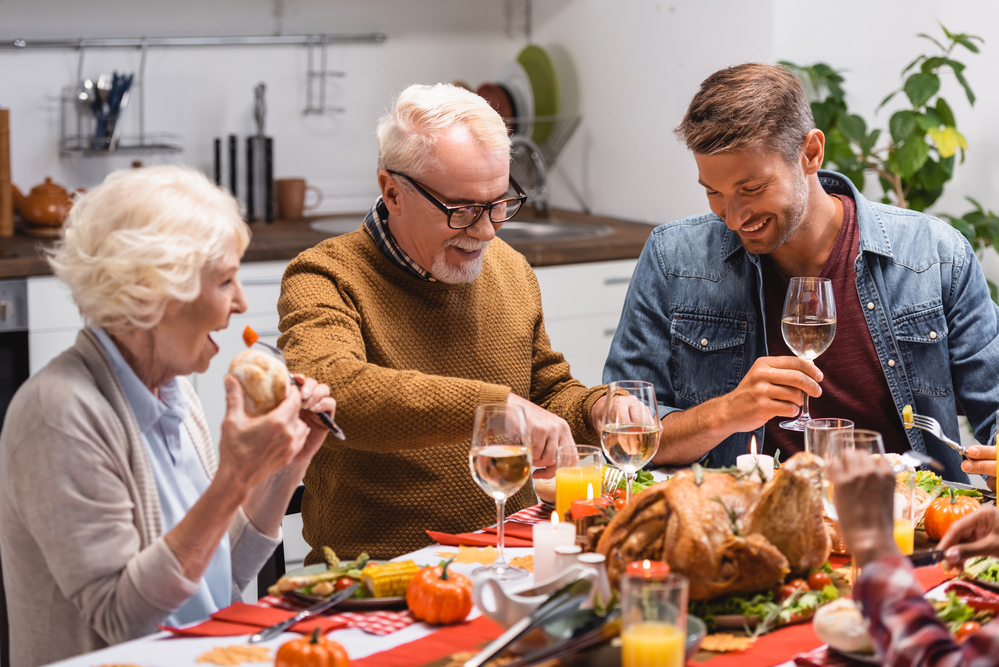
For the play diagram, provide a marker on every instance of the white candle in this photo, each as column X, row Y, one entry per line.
column 546, row 537
column 746, row 462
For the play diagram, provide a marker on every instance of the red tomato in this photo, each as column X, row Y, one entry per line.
column 789, row 589
column 343, row 582
column 818, row 580
column 619, row 501
column 968, row 628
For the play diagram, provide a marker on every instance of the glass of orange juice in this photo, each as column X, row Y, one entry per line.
column 905, row 494
column 577, row 466
column 653, row 621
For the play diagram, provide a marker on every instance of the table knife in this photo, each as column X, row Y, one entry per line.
column 314, row 610
column 926, row 557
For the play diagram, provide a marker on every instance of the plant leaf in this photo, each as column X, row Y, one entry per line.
column 901, row 125
column 964, row 41
column 912, row 64
column 961, row 225
column 964, row 84
column 928, row 120
column 945, row 113
column 867, row 145
column 854, row 127
column 948, row 140
column 888, row 98
column 932, row 39
column 931, row 64
column 912, row 155
column 920, row 87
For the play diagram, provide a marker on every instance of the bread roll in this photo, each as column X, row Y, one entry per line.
column 841, row 625
column 545, row 488
column 264, row 380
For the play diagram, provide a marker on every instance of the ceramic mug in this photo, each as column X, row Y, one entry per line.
column 291, row 197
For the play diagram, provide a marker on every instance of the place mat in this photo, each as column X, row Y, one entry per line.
column 430, row 650
column 477, row 540
column 378, row 622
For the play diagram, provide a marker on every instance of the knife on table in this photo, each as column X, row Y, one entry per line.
column 926, row 557
column 314, row 610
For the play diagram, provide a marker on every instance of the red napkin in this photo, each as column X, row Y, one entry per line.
column 514, row 529
column 243, row 619
column 477, row 540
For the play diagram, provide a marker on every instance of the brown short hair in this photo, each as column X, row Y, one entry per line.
column 745, row 106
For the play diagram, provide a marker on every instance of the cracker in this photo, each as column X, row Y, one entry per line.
column 724, row 642
column 230, row 656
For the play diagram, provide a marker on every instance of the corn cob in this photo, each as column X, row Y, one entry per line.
column 390, row 579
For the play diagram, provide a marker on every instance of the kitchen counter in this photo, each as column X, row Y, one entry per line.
column 20, row 255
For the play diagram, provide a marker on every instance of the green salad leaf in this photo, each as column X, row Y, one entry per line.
column 983, row 568
column 643, row 480
column 759, row 606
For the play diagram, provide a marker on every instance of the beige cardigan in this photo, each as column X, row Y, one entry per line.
column 84, row 560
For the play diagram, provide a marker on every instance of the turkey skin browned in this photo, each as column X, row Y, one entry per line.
column 727, row 533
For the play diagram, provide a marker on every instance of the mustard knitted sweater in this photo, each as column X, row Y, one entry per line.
column 408, row 362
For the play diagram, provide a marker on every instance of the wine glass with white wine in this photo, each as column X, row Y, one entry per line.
column 808, row 324
column 630, row 432
column 500, row 460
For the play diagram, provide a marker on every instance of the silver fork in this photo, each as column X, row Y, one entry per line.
column 611, row 480
column 931, row 425
column 324, row 417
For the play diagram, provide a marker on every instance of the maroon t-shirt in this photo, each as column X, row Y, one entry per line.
column 854, row 385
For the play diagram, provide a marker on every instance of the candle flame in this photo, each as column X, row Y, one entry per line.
column 589, row 491
column 752, row 445
column 555, row 519
column 647, row 564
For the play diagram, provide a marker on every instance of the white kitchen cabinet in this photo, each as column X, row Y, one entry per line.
column 582, row 304
column 53, row 320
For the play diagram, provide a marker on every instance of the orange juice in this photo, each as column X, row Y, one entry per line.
column 904, row 537
column 652, row 644
column 570, row 484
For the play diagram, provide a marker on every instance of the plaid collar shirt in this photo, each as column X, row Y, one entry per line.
column 376, row 225
column 905, row 628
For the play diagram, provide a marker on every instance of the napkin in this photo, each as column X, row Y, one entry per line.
column 514, row 529
column 823, row 657
column 244, row 619
column 533, row 514
column 477, row 540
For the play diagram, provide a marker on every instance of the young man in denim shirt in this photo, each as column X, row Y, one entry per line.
column 915, row 321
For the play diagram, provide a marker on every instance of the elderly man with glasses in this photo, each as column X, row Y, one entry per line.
column 414, row 320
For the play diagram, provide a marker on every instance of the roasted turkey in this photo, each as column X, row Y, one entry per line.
column 728, row 533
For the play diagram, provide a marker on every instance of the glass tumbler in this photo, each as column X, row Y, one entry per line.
column 576, row 466
column 653, row 621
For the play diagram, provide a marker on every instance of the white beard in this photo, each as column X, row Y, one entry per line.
column 465, row 272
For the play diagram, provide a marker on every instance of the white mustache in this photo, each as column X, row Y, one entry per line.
column 467, row 246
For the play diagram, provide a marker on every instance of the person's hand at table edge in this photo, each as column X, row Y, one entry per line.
column 982, row 462
column 976, row 534
column 864, row 493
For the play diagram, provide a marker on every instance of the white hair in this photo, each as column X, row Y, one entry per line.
column 421, row 116
column 140, row 240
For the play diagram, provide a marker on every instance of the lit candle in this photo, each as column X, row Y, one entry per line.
column 647, row 569
column 588, row 507
column 547, row 536
column 746, row 462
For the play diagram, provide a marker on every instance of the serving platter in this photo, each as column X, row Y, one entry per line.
column 350, row 604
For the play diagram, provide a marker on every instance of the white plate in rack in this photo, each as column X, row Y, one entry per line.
column 512, row 76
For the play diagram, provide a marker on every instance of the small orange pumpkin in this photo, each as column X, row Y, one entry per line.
column 313, row 651
column 438, row 596
column 944, row 511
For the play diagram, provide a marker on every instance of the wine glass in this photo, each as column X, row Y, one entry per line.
column 630, row 432
column 500, row 461
column 808, row 324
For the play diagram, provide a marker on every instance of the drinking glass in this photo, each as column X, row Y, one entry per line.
column 653, row 621
column 819, row 432
column 902, row 509
column 500, row 461
column 808, row 324
column 842, row 440
column 576, row 466
column 630, row 432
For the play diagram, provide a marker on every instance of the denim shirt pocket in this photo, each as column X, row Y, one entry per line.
column 921, row 332
column 707, row 349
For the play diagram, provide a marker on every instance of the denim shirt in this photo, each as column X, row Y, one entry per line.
column 693, row 320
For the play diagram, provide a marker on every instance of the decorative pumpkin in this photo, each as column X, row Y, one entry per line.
column 944, row 511
column 438, row 596
column 313, row 651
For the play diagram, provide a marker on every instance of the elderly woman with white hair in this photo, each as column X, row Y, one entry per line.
column 114, row 515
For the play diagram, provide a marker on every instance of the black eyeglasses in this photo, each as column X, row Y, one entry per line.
column 460, row 217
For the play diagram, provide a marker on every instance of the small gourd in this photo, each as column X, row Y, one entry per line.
column 439, row 597
column 313, row 651
column 944, row 511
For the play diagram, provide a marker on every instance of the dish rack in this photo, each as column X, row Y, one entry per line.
column 532, row 162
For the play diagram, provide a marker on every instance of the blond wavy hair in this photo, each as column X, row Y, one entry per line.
column 140, row 240
column 421, row 115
